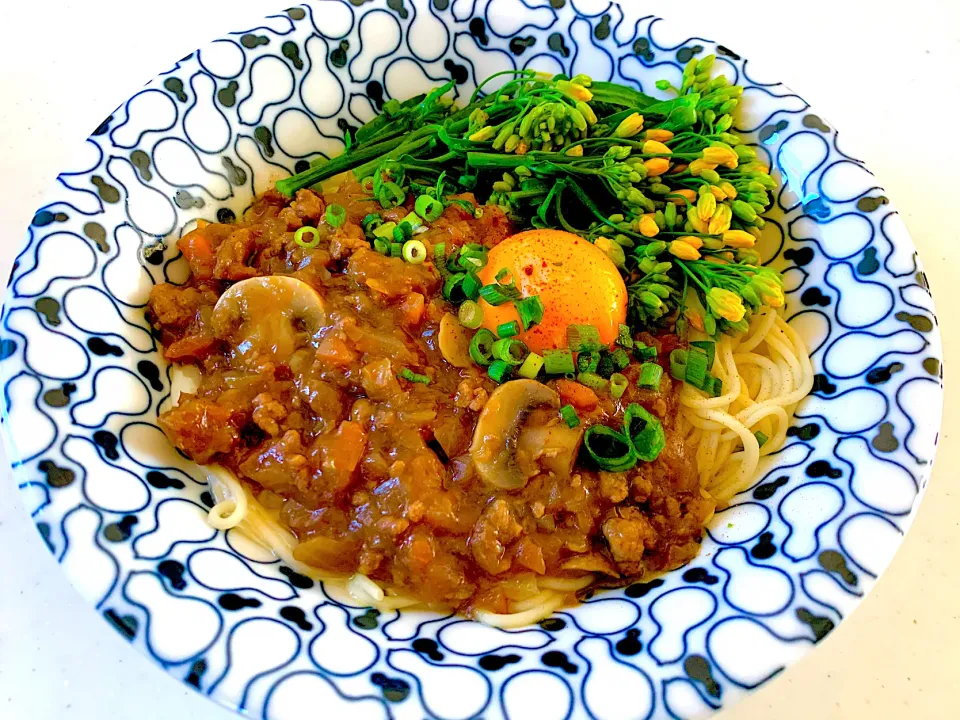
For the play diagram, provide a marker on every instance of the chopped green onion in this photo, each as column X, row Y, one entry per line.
column 644, row 432
column 413, row 220
column 453, row 288
column 470, row 315
column 385, row 231
column 593, row 381
column 618, row 385
column 391, row 195
column 452, row 264
column 558, row 362
column 440, row 254
column 508, row 329
column 371, row 222
column 396, row 249
column 499, row 371
column 620, row 358
column 709, row 347
column 588, row 361
column 761, row 438
column 510, row 351
column 408, row 374
column 531, row 366
column 530, row 310
column 336, row 215
column 569, row 416
column 583, row 338
column 472, row 285
column 381, row 246
column 644, row 353
column 402, row 232
column 650, row 374
column 610, row 450
column 716, row 386
column 678, row 364
column 472, row 259
column 502, row 274
column 428, row 208
column 606, row 368
column 481, row 347
column 696, row 368
column 499, row 294
column 307, row 230
column 623, row 337
column 414, row 252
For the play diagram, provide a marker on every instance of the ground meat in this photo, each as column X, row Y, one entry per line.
column 233, row 255
column 200, row 428
column 390, row 276
column 471, row 395
column 496, row 529
column 613, row 486
column 177, row 307
column 308, row 206
column 267, row 412
column 628, row 538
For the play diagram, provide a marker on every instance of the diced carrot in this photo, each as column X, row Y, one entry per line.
column 530, row 556
column 334, row 350
column 196, row 248
column 413, row 306
column 577, row 394
column 191, row 346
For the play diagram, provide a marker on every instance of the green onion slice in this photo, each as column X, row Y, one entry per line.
column 371, row 222
column 709, row 347
column 499, row 294
column 390, row 195
column 583, row 338
column 696, row 368
column 428, row 208
column 623, row 337
column 610, row 450
column 644, row 353
column 396, row 249
column 558, row 362
column 385, row 230
column 472, row 285
column 502, row 275
column 569, row 416
column 453, row 288
column 381, row 246
column 618, row 385
column 472, row 259
column 336, row 215
column 531, row 366
column 481, row 347
column 508, row 329
column 500, row 371
column 307, row 244
column 530, row 310
column 761, row 438
column 620, row 358
column 408, row 374
column 650, row 374
column 678, row 364
column 606, row 367
column 414, row 252
column 593, row 381
column 440, row 254
column 644, row 432
column 510, row 351
column 470, row 315
column 588, row 362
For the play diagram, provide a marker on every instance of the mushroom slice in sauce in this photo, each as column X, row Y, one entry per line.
column 497, row 435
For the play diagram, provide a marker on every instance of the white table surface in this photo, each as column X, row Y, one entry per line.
column 886, row 74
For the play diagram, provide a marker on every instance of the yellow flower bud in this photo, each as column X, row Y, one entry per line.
column 699, row 165
column 729, row 190
column 656, row 166
column 691, row 240
column 719, row 194
column 659, row 134
column 738, row 239
column 715, row 260
column 726, row 304
column 483, row 134
column 694, row 217
column 648, row 226
column 629, row 126
column 574, row 91
column 575, row 151
column 718, row 155
column 720, row 222
column 706, row 206
column 683, row 250
column 653, row 147
column 684, row 192
column 774, row 299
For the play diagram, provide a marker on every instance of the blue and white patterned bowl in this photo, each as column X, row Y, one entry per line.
column 124, row 513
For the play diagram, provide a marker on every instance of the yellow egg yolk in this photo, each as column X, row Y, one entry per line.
column 575, row 280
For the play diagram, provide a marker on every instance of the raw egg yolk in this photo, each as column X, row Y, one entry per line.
column 576, row 281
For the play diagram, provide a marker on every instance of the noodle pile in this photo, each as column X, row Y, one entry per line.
column 765, row 373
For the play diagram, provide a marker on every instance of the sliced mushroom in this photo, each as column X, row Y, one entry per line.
column 454, row 341
column 496, row 437
column 268, row 313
